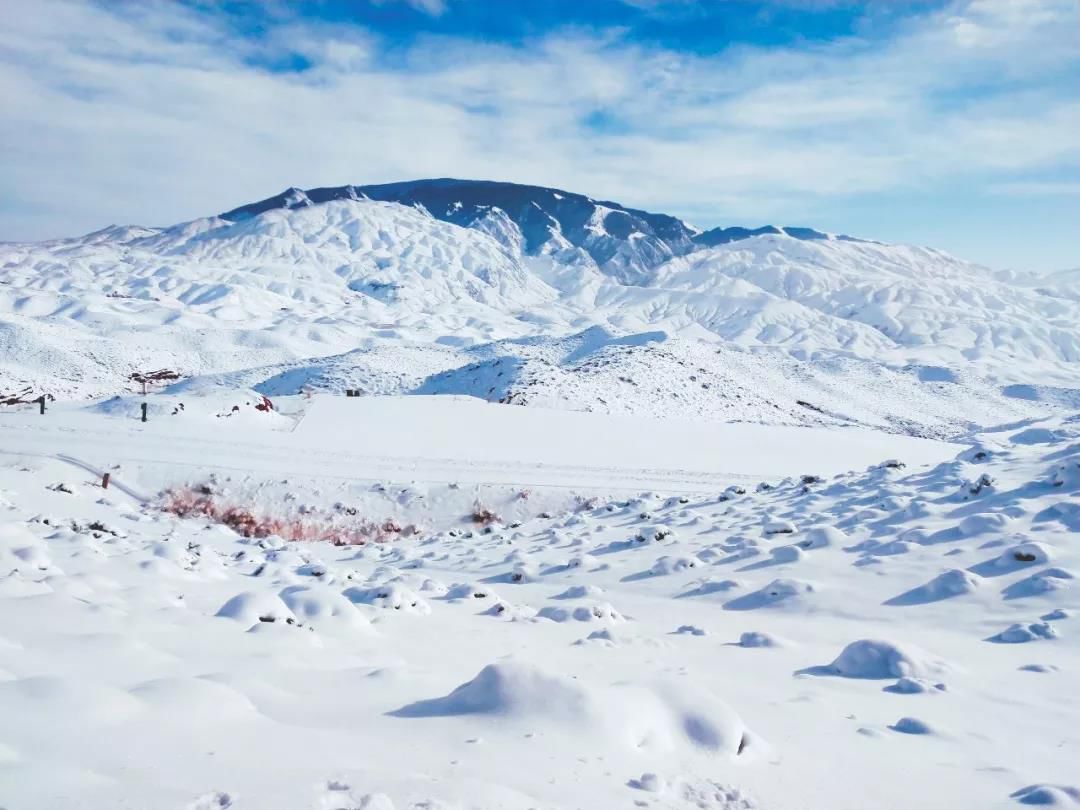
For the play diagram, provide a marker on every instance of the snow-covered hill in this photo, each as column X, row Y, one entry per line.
column 443, row 289
column 625, row 243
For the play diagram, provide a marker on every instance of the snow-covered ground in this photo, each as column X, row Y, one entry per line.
column 788, row 521
column 739, row 624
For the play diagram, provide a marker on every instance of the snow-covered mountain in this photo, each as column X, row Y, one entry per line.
column 532, row 295
column 268, row 571
column 623, row 242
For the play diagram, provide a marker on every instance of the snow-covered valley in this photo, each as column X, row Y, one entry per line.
column 617, row 513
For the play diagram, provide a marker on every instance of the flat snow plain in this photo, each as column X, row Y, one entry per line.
column 443, row 439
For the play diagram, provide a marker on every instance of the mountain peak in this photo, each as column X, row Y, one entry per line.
column 625, row 243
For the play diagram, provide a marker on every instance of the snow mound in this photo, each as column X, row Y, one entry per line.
column 821, row 537
column 911, row 725
column 1048, row 795
column 1023, row 633
column 79, row 702
column 1067, row 475
column 954, row 582
column 1036, row 435
column 581, row 592
column 778, row 593
column 601, row 611
column 664, row 717
column 656, row 534
column 914, row 686
column 1023, row 554
column 510, row 688
column 322, row 607
column 391, row 596
column 878, row 659
column 195, row 700
column 666, row 565
column 1041, row 583
column 755, row 639
column 251, row 607
column 774, row 526
column 974, row 525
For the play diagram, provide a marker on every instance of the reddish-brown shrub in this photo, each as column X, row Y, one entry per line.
column 200, row 501
column 483, row 516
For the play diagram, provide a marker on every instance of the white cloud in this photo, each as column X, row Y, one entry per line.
column 433, row 7
column 161, row 113
column 1036, row 188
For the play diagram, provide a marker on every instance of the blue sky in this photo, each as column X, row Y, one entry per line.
column 707, row 26
column 943, row 123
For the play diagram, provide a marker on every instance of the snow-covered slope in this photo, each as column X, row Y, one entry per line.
column 312, row 257
column 624, row 242
column 349, row 292
column 906, row 301
column 79, row 315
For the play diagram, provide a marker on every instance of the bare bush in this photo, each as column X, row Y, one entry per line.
column 483, row 516
column 201, row 501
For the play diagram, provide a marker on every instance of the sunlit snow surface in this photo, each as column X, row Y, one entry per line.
column 784, row 524
column 897, row 636
column 386, row 299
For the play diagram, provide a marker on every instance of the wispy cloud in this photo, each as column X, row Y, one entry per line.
column 433, row 7
column 1035, row 188
column 159, row 112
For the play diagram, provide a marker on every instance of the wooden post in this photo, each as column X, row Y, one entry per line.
column 144, row 411
column 105, row 481
column 41, row 400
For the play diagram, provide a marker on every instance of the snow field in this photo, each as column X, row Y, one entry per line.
column 649, row 647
